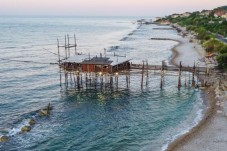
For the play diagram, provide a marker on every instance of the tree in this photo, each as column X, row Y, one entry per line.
column 222, row 61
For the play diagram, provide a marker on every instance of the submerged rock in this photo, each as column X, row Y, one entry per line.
column 44, row 112
column 25, row 129
column 31, row 122
column 4, row 138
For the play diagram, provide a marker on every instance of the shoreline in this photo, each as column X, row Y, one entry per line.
column 175, row 53
column 209, row 114
column 209, row 98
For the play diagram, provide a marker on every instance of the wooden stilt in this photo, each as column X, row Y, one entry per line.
column 68, row 46
column 71, row 80
column 59, row 61
column 95, row 79
column 179, row 78
column 161, row 81
column 60, row 76
column 185, row 83
column 116, row 79
column 193, row 75
column 75, row 44
column 66, row 56
column 147, row 80
column 78, row 80
column 142, row 75
column 81, row 80
column 126, row 78
column 111, row 80
column 66, row 79
column 74, row 79
column 90, row 78
column 86, row 79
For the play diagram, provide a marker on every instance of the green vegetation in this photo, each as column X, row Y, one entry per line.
column 221, row 8
column 206, row 27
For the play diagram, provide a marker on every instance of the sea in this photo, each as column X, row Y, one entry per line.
column 117, row 119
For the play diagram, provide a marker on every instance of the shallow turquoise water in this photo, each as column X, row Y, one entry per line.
column 111, row 119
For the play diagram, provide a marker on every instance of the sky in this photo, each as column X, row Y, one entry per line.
column 104, row 7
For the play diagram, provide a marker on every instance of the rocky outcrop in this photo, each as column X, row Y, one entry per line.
column 4, row 138
column 31, row 122
column 25, row 129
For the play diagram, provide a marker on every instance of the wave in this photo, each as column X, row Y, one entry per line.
column 182, row 131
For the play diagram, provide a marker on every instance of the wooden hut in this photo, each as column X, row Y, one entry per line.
column 104, row 64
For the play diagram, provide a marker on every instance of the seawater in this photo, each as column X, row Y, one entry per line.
column 87, row 120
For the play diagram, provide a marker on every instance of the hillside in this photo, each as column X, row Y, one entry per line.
column 221, row 8
column 206, row 26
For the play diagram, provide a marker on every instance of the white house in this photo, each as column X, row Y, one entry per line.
column 175, row 15
column 186, row 14
column 205, row 12
column 224, row 16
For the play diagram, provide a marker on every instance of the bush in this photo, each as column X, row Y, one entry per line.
column 213, row 45
column 222, row 61
column 223, row 49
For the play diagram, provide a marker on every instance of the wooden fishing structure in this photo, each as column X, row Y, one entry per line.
column 86, row 70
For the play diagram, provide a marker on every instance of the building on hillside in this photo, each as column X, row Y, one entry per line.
column 219, row 13
column 186, row 14
column 205, row 12
column 175, row 15
column 224, row 16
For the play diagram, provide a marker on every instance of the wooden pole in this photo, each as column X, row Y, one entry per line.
column 111, row 80
column 189, row 77
column 58, row 53
column 142, row 75
column 74, row 79
column 75, row 44
column 65, row 48
column 71, row 80
column 95, row 79
column 185, row 83
column 127, row 79
column 86, row 79
column 179, row 78
column 193, row 75
column 59, row 60
column 117, row 81
column 81, row 80
column 161, row 82
column 78, row 80
column 147, row 80
column 68, row 45
column 66, row 79
column 101, row 79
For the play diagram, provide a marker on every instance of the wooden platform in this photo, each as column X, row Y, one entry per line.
column 167, row 68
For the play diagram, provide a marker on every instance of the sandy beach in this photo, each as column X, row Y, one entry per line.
column 210, row 133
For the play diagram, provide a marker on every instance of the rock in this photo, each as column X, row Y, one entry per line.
column 25, row 129
column 31, row 122
column 4, row 138
column 44, row 112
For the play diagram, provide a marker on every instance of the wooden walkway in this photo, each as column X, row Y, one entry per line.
column 167, row 68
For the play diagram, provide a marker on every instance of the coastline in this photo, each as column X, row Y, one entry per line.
column 177, row 56
column 203, row 123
